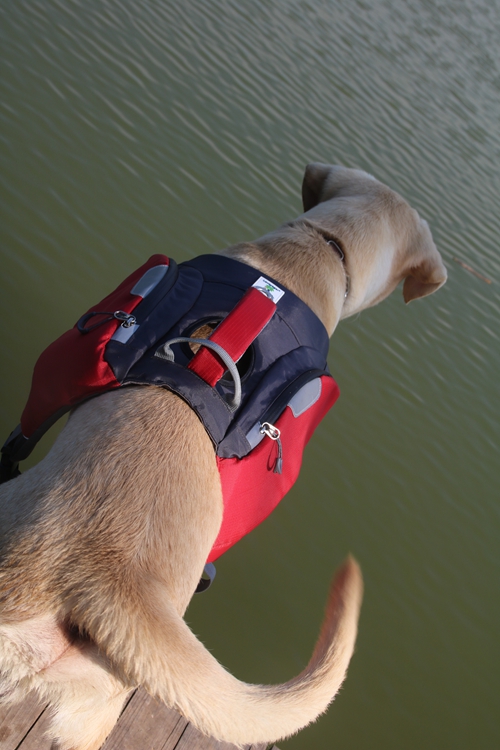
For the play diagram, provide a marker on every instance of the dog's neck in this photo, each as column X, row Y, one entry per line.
column 318, row 277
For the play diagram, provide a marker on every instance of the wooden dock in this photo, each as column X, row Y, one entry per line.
column 144, row 724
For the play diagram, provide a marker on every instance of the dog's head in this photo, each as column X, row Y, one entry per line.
column 383, row 239
column 356, row 235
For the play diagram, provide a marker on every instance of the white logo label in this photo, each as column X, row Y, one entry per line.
column 269, row 289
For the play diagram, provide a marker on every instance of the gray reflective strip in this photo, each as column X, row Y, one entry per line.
column 141, row 288
column 303, row 399
column 123, row 334
column 149, row 280
column 255, row 435
column 306, row 397
column 210, row 571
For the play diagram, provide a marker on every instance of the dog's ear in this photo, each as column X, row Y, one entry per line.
column 314, row 180
column 425, row 278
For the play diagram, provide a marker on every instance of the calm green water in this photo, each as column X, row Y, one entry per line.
column 131, row 128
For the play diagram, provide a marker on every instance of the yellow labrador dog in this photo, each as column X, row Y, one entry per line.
column 104, row 541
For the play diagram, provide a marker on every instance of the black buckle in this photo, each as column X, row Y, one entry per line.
column 205, row 583
column 12, row 453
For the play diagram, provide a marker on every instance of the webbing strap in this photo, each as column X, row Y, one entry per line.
column 234, row 334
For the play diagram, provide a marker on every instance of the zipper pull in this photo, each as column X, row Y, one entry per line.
column 127, row 320
column 274, row 433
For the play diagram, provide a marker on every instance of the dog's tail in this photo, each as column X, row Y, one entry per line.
column 155, row 648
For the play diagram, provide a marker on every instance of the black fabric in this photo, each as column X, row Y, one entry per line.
column 293, row 342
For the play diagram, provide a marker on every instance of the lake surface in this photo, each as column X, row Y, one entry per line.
column 130, row 128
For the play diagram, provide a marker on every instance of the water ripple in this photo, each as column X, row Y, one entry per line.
column 155, row 126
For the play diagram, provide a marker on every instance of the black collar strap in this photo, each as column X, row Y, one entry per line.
column 341, row 255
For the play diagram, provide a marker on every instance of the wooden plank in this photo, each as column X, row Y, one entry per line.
column 192, row 739
column 17, row 720
column 36, row 739
column 146, row 724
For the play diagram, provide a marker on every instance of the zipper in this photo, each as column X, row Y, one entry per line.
column 141, row 311
column 278, row 406
column 276, row 409
column 275, row 434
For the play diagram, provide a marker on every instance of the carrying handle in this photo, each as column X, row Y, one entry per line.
column 165, row 352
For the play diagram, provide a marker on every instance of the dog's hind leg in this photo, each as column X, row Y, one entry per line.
column 68, row 673
column 85, row 698
column 26, row 648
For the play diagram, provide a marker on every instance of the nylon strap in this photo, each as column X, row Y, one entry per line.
column 234, row 334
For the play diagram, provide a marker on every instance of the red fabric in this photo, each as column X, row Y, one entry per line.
column 250, row 488
column 73, row 367
column 235, row 334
